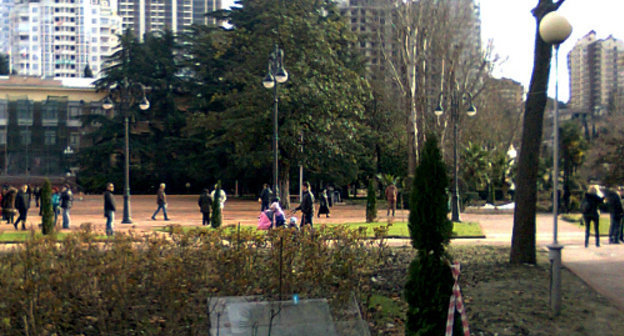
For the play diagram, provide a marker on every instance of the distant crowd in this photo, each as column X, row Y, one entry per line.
column 17, row 201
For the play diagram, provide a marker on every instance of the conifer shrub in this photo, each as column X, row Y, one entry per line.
column 429, row 284
column 371, row 202
column 217, row 218
column 47, row 214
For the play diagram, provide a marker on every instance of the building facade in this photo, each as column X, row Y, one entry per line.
column 41, row 128
column 60, row 38
column 143, row 16
column 596, row 68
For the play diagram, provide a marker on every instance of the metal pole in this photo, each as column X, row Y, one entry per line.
column 301, row 170
column 126, row 212
column 275, row 138
column 554, row 253
column 455, row 197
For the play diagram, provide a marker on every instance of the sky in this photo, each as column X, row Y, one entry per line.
column 511, row 27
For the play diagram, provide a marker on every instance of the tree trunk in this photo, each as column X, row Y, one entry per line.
column 285, row 188
column 412, row 130
column 523, row 238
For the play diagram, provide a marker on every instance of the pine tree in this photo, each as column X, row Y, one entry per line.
column 371, row 203
column 216, row 207
column 429, row 285
column 47, row 214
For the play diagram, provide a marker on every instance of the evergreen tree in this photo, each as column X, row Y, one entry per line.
column 216, row 207
column 371, row 203
column 87, row 71
column 429, row 284
column 47, row 214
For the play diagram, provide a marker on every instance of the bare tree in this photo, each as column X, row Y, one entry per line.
column 428, row 34
column 523, row 238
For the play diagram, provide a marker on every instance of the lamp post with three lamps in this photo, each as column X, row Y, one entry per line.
column 554, row 29
column 276, row 74
column 457, row 98
column 126, row 95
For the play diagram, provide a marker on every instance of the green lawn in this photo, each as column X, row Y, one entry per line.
column 396, row 230
column 20, row 236
column 604, row 223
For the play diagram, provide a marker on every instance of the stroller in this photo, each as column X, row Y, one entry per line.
column 265, row 221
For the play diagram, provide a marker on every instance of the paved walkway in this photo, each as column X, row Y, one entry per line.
column 601, row 268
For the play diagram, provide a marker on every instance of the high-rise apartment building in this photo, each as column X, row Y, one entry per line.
column 374, row 22
column 59, row 38
column 596, row 68
column 5, row 10
column 143, row 16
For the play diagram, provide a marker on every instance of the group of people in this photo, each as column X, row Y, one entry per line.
column 17, row 201
column 205, row 201
column 594, row 199
column 272, row 215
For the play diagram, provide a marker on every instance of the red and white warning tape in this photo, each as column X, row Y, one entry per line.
column 456, row 301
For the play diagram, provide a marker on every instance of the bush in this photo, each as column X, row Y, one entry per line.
column 371, row 202
column 47, row 214
column 216, row 219
column 156, row 285
column 429, row 284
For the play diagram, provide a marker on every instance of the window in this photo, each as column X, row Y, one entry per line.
column 3, row 109
column 50, row 111
column 74, row 139
column 25, row 137
column 3, row 137
column 74, row 112
column 24, row 112
column 49, row 138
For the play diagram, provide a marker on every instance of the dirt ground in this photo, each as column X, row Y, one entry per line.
column 183, row 210
column 511, row 300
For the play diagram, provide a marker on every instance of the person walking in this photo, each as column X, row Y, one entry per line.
column 589, row 208
column 8, row 204
column 614, row 204
column 67, row 200
column 265, row 197
column 161, row 200
column 323, row 204
column 306, row 206
column 56, row 202
column 37, row 194
column 391, row 197
column 22, row 203
column 109, row 208
column 205, row 205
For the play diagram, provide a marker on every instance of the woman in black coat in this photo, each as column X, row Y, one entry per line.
column 324, row 204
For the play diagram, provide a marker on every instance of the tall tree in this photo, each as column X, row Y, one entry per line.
column 523, row 237
column 324, row 98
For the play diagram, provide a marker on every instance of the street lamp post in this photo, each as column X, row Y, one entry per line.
column 554, row 29
column 456, row 99
column 276, row 74
column 68, row 152
column 126, row 95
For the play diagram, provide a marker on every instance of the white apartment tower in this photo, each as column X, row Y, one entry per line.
column 5, row 10
column 143, row 16
column 596, row 68
column 59, row 38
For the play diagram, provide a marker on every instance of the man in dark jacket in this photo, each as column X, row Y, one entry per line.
column 589, row 208
column 306, row 206
column 109, row 208
column 205, row 205
column 67, row 199
column 265, row 197
column 614, row 204
column 161, row 201
column 22, row 203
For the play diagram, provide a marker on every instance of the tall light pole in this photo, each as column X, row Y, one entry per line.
column 456, row 99
column 126, row 95
column 276, row 74
column 554, row 29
